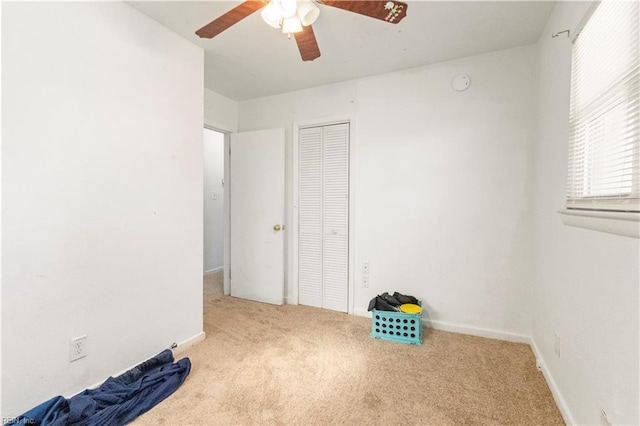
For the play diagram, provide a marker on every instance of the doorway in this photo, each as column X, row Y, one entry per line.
column 244, row 237
column 213, row 202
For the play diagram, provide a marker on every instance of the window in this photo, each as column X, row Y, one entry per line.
column 604, row 147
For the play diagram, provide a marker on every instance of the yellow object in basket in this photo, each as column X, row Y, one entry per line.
column 410, row 308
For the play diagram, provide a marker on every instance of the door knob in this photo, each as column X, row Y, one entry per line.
column 277, row 227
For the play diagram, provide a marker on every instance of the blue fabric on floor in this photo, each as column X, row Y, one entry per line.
column 118, row 400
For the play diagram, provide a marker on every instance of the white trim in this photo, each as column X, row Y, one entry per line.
column 323, row 121
column 269, row 300
column 361, row 313
column 290, row 301
column 218, row 127
column 620, row 223
column 226, row 212
column 187, row 343
column 352, row 215
column 465, row 329
column 292, row 279
column 489, row 333
column 292, row 237
column 555, row 391
column 214, row 270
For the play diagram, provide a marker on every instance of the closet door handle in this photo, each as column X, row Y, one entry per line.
column 277, row 227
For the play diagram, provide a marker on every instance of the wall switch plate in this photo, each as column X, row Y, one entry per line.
column 365, row 281
column 365, row 267
column 77, row 348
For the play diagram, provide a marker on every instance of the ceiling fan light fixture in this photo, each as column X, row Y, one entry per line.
column 308, row 12
column 292, row 15
column 271, row 15
column 288, row 7
column 291, row 25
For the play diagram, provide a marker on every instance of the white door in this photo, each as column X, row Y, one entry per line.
column 323, row 216
column 257, row 216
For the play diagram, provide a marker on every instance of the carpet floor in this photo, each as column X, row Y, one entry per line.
column 297, row 365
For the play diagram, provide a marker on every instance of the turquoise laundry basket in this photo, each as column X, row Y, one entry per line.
column 397, row 326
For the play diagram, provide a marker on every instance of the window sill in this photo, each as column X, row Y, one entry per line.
column 619, row 223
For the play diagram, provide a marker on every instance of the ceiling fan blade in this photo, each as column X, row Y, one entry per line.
column 307, row 44
column 233, row 16
column 385, row 10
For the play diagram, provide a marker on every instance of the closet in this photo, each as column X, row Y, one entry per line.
column 323, row 216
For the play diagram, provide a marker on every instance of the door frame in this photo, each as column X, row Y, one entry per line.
column 293, row 240
column 226, row 210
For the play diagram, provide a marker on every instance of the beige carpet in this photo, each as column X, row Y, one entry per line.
column 297, row 365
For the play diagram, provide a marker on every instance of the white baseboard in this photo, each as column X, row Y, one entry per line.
column 291, row 300
column 214, row 270
column 555, row 391
column 361, row 313
column 186, row 344
column 181, row 347
column 464, row 329
column 476, row 331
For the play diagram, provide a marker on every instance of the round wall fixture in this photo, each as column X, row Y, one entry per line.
column 460, row 83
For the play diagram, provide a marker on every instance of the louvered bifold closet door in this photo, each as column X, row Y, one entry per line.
column 310, row 217
column 336, row 216
column 323, row 217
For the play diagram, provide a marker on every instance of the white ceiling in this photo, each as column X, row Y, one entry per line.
column 252, row 59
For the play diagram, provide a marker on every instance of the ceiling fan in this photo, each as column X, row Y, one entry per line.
column 296, row 16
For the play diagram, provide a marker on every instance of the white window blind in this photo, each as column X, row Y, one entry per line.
column 604, row 147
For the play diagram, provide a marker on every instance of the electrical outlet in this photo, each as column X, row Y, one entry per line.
column 556, row 344
column 365, row 274
column 77, row 348
column 604, row 418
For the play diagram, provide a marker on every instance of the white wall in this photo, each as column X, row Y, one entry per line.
column 213, row 200
column 442, row 183
column 220, row 112
column 102, row 194
column 587, row 281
